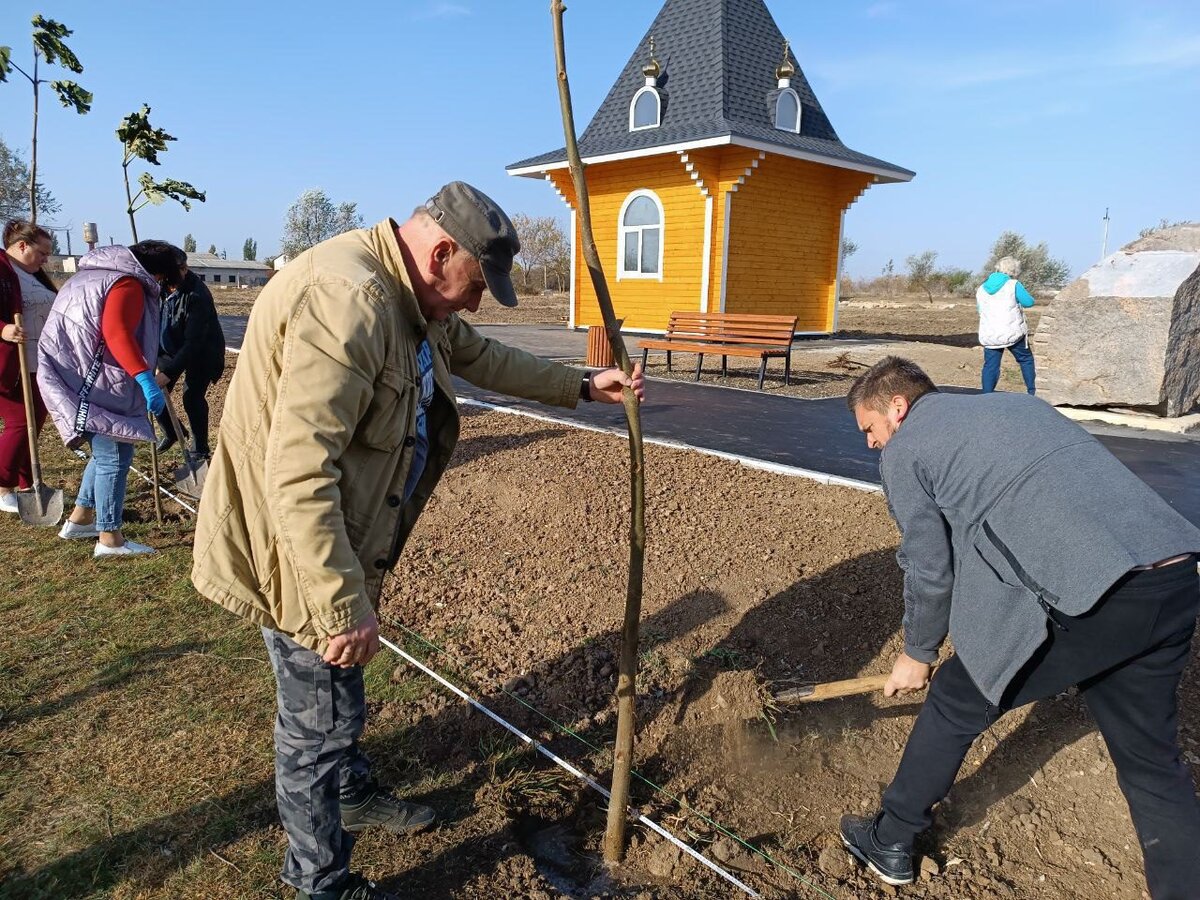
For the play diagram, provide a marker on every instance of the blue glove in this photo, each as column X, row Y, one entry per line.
column 155, row 401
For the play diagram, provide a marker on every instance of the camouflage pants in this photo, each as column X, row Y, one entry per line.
column 317, row 760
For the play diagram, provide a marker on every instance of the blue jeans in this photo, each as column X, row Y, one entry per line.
column 991, row 364
column 104, row 479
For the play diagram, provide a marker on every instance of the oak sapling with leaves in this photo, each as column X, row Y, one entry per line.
column 143, row 141
column 48, row 46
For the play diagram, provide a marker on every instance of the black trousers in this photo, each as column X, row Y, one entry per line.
column 1126, row 655
column 195, row 405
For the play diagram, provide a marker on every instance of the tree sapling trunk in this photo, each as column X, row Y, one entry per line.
column 614, row 838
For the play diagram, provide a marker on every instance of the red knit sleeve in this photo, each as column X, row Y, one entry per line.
column 122, row 314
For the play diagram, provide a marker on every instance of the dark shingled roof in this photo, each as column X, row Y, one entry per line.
column 718, row 79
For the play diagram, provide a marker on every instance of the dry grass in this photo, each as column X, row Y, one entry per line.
column 132, row 720
column 135, row 722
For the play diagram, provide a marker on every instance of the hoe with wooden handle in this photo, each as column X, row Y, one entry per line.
column 851, row 687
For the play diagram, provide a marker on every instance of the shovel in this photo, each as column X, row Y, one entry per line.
column 38, row 505
column 189, row 477
column 851, row 687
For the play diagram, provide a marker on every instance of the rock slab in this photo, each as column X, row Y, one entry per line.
column 1125, row 333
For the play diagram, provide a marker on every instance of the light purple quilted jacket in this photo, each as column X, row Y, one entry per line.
column 67, row 352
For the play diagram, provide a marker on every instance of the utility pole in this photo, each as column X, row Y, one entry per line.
column 1104, row 244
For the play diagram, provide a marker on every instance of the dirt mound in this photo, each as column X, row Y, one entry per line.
column 1184, row 236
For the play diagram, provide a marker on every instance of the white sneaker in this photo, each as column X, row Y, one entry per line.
column 8, row 503
column 129, row 548
column 74, row 532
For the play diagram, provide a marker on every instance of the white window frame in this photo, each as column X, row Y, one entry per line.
column 657, row 109
column 799, row 110
column 623, row 230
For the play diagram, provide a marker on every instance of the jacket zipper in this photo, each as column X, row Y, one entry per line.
column 1030, row 585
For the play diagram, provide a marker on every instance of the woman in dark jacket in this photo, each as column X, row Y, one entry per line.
column 193, row 346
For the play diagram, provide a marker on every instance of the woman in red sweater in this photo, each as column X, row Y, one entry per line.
column 114, row 286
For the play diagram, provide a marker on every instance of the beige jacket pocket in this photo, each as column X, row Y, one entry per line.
column 390, row 411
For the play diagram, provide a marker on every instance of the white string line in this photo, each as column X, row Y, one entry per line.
column 561, row 763
column 161, row 489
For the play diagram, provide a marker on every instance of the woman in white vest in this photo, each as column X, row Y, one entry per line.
column 1002, row 301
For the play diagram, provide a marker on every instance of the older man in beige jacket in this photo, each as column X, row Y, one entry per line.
column 339, row 422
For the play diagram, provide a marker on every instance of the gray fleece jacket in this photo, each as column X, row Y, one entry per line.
column 1011, row 514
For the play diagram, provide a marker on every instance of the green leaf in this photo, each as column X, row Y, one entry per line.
column 71, row 94
column 5, row 65
column 169, row 189
column 140, row 138
column 48, row 40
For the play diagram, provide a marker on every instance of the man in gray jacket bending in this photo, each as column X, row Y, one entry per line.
column 1049, row 564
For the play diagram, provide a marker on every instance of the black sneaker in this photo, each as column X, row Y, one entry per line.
column 355, row 888
column 165, row 444
column 384, row 809
column 891, row 862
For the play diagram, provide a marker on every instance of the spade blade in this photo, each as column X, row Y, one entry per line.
column 40, row 505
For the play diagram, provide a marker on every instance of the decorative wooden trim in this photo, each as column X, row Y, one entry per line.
column 837, row 284
column 691, row 170
column 571, row 303
column 725, row 248
column 706, row 268
column 883, row 173
column 561, row 195
column 749, row 171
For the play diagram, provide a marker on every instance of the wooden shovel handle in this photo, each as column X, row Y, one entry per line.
column 174, row 417
column 851, row 687
column 30, row 417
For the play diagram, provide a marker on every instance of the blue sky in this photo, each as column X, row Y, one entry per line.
column 1031, row 115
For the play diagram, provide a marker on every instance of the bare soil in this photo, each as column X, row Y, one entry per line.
column 234, row 301
column 531, row 309
column 537, row 308
column 515, row 581
column 521, row 611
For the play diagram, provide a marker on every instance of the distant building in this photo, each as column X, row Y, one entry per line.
column 60, row 263
column 717, row 181
column 212, row 269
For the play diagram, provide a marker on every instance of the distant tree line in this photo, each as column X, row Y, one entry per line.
column 1039, row 270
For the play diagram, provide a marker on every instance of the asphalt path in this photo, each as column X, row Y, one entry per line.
column 818, row 436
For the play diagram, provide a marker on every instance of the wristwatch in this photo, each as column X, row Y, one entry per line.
column 585, row 389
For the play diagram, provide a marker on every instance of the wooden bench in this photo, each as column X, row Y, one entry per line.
column 730, row 334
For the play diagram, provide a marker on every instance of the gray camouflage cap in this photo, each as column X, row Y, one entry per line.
column 477, row 222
